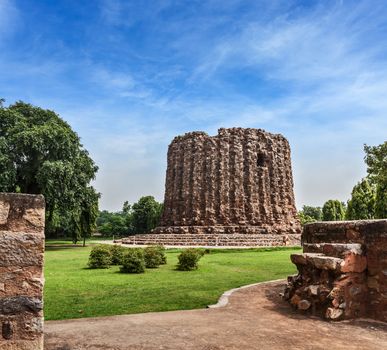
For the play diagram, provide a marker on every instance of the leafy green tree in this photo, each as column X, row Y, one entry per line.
column 40, row 153
column 313, row 212
column 309, row 214
column 146, row 214
column 333, row 210
column 362, row 202
column 305, row 219
column 376, row 160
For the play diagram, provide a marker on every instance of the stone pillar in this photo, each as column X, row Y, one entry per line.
column 21, row 271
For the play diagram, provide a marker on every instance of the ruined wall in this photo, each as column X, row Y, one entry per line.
column 21, row 271
column 342, row 270
column 239, row 181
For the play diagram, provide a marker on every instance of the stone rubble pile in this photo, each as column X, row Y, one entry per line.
column 342, row 272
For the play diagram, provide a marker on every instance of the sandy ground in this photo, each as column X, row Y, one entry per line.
column 254, row 318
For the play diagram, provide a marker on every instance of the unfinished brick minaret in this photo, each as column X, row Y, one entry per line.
column 237, row 182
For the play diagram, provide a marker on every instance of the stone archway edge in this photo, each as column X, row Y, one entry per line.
column 224, row 298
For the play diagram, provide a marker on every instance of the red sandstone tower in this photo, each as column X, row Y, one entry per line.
column 237, row 182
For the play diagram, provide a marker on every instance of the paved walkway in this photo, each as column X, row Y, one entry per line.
column 254, row 318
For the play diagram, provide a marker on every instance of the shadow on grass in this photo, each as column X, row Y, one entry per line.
column 54, row 247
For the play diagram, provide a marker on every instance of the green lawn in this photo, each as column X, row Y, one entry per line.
column 73, row 291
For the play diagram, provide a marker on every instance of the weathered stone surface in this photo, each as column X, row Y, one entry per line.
column 21, row 271
column 4, row 212
column 21, row 249
column 342, row 270
column 334, row 314
column 212, row 239
column 304, row 304
column 239, row 180
column 27, row 280
column 19, row 304
column 25, row 212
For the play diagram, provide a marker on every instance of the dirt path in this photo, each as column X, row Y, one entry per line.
column 254, row 318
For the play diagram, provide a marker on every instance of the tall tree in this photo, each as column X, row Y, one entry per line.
column 362, row 202
column 40, row 153
column 313, row 212
column 376, row 160
column 333, row 210
column 309, row 214
column 146, row 214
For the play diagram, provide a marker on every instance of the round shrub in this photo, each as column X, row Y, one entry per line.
column 117, row 252
column 188, row 259
column 133, row 261
column 100, row 257
column 162, row 254
column 154, row 256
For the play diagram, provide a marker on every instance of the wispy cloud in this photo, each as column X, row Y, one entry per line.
column 9, row 18
column 129, row 76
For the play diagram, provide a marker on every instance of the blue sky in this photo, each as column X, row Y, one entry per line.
column 130, row 75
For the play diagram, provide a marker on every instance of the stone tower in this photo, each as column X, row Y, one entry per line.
column 239, row 181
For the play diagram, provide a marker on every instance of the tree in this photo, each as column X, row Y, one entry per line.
column 309, row 214
column 146, row 214
column 376, row 160
column 40, row 153
column 313, row 212
column 333, row 210
column 362, row 202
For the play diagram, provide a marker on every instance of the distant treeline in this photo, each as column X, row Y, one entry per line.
column 141, row 217
column 368, row 198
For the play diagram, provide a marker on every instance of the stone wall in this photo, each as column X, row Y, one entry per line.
column 21, row 271
column 342, row 270
column 237, row 182
column 225, row 240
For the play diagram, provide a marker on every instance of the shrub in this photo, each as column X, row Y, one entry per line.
column 133, row 261
column 162, row 254
column 152, row 257
column 100, row 257
column 117, row 252
column 189, row 258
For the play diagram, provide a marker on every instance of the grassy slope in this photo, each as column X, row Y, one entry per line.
column 73, row 291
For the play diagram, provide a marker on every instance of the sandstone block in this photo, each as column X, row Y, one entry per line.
column 21, row 271
column 21, row 249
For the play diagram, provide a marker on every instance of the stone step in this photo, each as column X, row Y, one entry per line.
column 337, row 250
column 351, row 263
column 318, row 260
column 213, row 239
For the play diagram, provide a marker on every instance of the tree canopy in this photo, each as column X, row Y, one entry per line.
column 40, row 153
column 333, row 210
column 309, row 214
column 376, row 160
column 141, row 217
column 362, row 202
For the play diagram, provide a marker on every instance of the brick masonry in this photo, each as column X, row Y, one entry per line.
column 21, row 271
column 237, row 182
column 342, row 272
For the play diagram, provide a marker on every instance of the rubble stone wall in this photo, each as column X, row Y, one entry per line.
column 239, row 181
column 225, row 240
column 342, row 270
column 21, row 271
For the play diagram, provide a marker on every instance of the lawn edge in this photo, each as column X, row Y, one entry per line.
column 224, row 298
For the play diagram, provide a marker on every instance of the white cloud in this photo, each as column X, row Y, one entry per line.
column 9, row 18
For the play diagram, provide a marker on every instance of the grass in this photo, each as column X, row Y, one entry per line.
column 73, row 291
column 68, row 241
